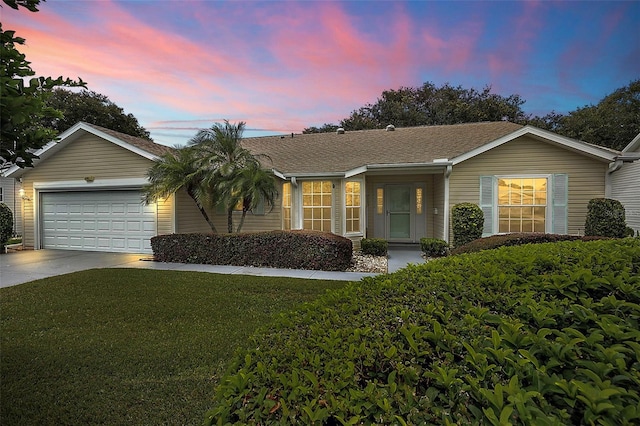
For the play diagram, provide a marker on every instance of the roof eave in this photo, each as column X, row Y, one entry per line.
column 71, row 134
column 572, row 144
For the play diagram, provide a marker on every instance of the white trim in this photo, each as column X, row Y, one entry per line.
column 343, row 190
column 548, row 219
column 132, row 183
column 46, row 151
column 581, row 147
column 353, row 172
column 633, row 145
column 446, row 207
column 78, row 185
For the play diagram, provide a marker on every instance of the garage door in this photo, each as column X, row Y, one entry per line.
column 113, row 221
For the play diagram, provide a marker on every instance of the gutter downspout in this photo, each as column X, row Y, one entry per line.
column 613, row 167
column 445, row 216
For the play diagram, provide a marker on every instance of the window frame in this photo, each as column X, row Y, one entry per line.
column 300, row 199
column 362, row 219
column 548, row 225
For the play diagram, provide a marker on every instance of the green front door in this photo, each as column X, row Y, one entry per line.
column 398, row 212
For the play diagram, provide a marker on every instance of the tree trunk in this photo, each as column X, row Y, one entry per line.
column 244, row 214
column 203, row 212
column 230, row 220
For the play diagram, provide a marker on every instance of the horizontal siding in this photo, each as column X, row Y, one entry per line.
column 431, row 196
column 189, row 219
column 86, row 156
column 528, row 156
column 625, row 187
column 165, row 223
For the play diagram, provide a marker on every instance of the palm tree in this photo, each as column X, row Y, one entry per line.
column 177, row 170
column 251, row 186
column 215, row 170
column 232, row 169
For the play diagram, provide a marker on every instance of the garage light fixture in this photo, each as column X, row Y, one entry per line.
column 23, row 195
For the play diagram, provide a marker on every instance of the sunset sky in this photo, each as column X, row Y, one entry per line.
column 282, row 66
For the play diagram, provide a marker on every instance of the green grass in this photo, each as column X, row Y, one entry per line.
column 127, row 346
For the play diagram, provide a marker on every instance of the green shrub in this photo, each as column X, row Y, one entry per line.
column 467, row 222
column 433, row 247
column 516, row 239
column 374, row 246
column 6, row 225
column 276, row 249
column 535, row 334
column 629, row 232
column 606, row 218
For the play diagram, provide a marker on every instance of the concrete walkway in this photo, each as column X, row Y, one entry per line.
column 29, row 265
column 400, row 256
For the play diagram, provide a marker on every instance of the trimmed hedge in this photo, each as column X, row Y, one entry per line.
column 433, row 247
column 374, row 246
column 517, row 239
column 538, row 334
column 467, row 221
column 6, row 225
column 605, row 217
column 276, row 249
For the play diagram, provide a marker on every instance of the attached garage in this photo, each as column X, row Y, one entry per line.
column 85, row 193
column 112, row 221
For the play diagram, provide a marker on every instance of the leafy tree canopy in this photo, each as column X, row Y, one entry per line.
column 90, row 107
column 613, row 122
column 23, row 99
column 430, row 105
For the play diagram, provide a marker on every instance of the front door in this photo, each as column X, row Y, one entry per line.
column 399, row 219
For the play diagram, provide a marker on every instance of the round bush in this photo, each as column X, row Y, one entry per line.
column 535, row 334
column 6, row 225
column 467, row 223
column 606, row 218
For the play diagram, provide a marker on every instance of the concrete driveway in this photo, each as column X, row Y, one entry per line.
column 29, row 265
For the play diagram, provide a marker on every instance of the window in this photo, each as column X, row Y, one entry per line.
column 1, row 199
column 286, row 206
column 380, row 200
column 522, row 204
column 316, row 205
column 352, row 206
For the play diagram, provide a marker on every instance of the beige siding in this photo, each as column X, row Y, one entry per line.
column 83, row 157
column 528, row 156
column 431, row 185
column 437, row 228
column 189, row 219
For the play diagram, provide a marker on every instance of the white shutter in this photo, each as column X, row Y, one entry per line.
column 560, row 196
column 487, row 184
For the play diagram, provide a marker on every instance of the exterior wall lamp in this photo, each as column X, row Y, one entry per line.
column 23, row 195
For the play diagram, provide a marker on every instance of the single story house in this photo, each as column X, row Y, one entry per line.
column 397, row 184
column 624, row 184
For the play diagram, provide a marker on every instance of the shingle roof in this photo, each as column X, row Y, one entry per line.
column 141, row 143
column 337, row 153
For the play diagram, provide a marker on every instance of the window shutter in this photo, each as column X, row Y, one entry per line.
column 486, row 203
column 559, row 202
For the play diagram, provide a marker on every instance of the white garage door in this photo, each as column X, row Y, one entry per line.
column 113, row 221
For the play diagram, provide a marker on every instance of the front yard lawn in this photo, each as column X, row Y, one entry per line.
column 128, row 346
